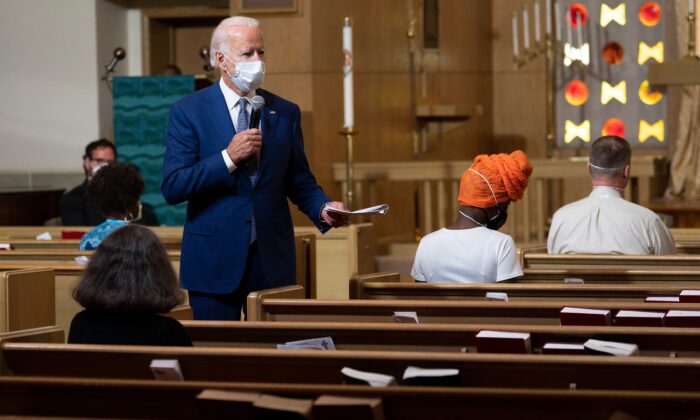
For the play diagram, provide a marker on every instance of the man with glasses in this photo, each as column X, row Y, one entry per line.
column 75, row 209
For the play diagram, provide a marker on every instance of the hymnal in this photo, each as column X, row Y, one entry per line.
column 167, row 370
column 683, row 319
column 5, row 247
column 323, row 343
column 45, row 236
column 82, row 260
column 354, row 376
column 662, row 299
column 503, row 342
column 690, row 296
column 497, row 296
column 330, row 407
column 563, row 348
column 573, row 281
column 584, row 316
column 214, row 404
column 406, row 317
column 274, row 407
column 611, row 348
column 639, row 319
column 431, row 377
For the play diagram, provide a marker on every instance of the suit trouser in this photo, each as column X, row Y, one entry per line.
column 210, row 306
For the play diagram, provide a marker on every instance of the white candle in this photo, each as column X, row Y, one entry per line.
column 526, row 30
column 516, row 51
column 691, row 6
column 548, row 16
column 537, row 21
column 568, row 25
column 579, row 29
column 557, row 20
column 349, row 118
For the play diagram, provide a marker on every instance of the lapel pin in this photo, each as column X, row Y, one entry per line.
column 273, row 112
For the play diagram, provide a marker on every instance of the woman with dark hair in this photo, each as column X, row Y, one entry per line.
column 115, row 191
column 128, row 282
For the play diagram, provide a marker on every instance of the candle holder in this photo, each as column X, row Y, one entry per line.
column 691, row 36
column 349, row 132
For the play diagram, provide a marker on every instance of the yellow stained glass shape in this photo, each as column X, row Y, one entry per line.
column 572, row 54
column 647, row 131
column 582, row 131
column 618, row 14
column 609, row 92
column 647, row 52
column 648, row 96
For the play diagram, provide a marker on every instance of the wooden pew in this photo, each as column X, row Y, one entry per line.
column 323, row 367
column 27, row 299
column 276, row 307
column 113, row 398
column 173, row 244
column 51, row 334
column 537, row 260
column 607, row 275
column 683, row 342
column 31, row 232
column 388, row 286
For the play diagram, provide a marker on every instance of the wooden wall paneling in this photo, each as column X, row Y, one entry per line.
column 188, row 41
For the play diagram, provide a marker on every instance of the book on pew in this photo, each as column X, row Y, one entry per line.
column 44, row 236
column 639, row 319
column 611, row 348
column 497, row 296
column 323, row 343
column 281, row 408
column 431, row 377
column 584, row 316
column 405, row 317
column 217, row 404
column 330, row 407
column 563, row 348
column 166, row 370
column 690, row 296
column 573, row 281
column 354, row 376
column 665, row 299
column 82, row 260
column 5, row 247
column 503, row 342
column 683, row 319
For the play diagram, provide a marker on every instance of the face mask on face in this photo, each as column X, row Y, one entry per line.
column 497, row 221
column 248, row 76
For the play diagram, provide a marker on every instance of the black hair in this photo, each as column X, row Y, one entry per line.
column 609, row 155
column 97, row 144
column 115, row 191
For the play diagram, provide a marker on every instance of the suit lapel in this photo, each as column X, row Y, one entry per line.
column 219, row 115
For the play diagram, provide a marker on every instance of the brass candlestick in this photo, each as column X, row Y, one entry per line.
column 348, row 132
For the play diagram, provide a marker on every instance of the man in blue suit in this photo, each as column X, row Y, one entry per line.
column 238, row 236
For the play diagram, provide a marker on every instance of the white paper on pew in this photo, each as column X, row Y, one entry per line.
column 323, row 343
column 497, row 296
column 502, row 334
column 689, row 292
column 406, row 317
column 573, row 281
column 380, row 209
column 662, row 299
column 82, row 260
column 416, row 372
column 563, row 346
column 46, row 236
column 611, row 347
column 640, row 314
column 686, row 314
column 570, row 310
column 6, row 247
column 167, row 370
column 373, row 379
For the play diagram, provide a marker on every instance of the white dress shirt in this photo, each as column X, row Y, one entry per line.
column 233, row 107
column 604, row 223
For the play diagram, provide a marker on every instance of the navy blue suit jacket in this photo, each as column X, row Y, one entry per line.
column 220, row 204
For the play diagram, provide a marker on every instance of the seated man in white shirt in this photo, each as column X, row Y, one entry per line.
column 471, row 250
column 604, row 222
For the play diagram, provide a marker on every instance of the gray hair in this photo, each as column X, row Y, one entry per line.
column 608, row 157
column 220, row 37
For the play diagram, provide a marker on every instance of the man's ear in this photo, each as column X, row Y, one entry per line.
column 626, row 171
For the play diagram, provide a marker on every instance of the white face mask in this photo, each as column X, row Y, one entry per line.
column 248, row 76
column 97, row 167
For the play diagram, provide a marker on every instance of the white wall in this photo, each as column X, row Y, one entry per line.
column 134, row 49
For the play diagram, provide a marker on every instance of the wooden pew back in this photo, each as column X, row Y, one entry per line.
column 50, row 334
column 27, row 299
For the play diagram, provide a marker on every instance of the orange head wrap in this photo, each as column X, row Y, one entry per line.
column 506, row 173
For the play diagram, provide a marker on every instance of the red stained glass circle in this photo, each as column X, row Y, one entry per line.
column 576, row 93
column 613, row 53
column 577, row 8
column 650, row 13
column 614, row 127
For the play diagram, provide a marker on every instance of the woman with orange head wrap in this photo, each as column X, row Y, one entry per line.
column 471, row 250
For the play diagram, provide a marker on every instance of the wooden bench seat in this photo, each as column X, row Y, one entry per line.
column 537, row 260
column 608, row 275
column 110, row 398
column 27, row 299
column 51, row 334
column 683, row 342
column 323, row 367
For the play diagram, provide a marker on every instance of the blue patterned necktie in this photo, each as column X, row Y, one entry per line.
column 242, row 125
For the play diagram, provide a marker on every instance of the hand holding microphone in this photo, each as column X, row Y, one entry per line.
column 245, row 145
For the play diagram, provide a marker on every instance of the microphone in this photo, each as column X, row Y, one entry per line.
column 118, row 55
column 257, row 103
column 204, row 53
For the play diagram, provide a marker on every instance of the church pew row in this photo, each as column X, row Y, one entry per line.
column 282, row 305
column 323, row 367
column 608, row 275
column 68, row 272
column 27, row 299
column 388, row 286
column 652, row 341
column 51, row 334
column 171, row 244
column 542, row 260
column 111, row 398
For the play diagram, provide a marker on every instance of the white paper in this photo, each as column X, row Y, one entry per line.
column 568, row 310
column 497, row 296
column 167, row 369
column 502, row 334
column 416, row 372
column 683, row 313
column 380, row 209
column 323, row 343
column 563, row 346
column 373, row 379
column 46, row 236
column 640, row 314
column 82, row 260
column 573, row 281
column 611, row 347
column 662, row 299
column 690, row 293
column 405, row 316
column 6, row 247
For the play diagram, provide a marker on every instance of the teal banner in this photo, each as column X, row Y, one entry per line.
column 141, row 107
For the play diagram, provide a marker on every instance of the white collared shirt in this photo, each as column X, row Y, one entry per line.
column 604, row 223
column 233, row 107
